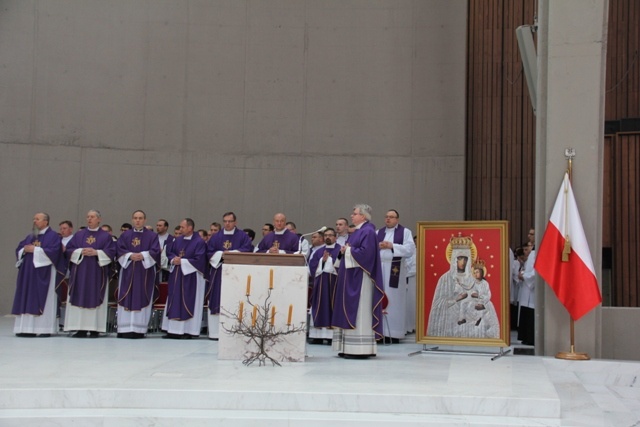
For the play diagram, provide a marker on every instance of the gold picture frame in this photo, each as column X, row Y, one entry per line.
column 463, row 302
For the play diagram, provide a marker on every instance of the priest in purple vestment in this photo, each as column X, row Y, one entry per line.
column 324, row 274
column 230, row 239
column 40, row 264
column 357, row 314
column 90, row 252
column 138, row 252
column 280, row 240
column 188, row 260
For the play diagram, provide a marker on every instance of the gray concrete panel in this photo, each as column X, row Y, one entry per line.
column 193, row 108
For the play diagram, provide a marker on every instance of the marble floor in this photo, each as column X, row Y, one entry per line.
column 62, row 381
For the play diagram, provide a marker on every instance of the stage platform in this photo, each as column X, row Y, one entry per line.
column 61, row 381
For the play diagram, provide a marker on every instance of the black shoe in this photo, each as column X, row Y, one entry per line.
column 213, row 339
column 80, row 334
column 173, row 336
column 130, row 335
column 25, row 335
column 44, row 335
column 315, row 341
column 94, row 334
column 357, row 356
column 328, row 342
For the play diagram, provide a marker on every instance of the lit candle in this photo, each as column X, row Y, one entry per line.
column 240, row 311
column 271, row 278
column 254, row 317
column 290, row 314
column 248, row 285
column 273, row 314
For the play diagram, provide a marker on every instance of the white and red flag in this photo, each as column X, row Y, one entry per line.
column 563, row 259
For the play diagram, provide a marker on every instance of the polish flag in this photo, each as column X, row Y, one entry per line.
column 563, row 259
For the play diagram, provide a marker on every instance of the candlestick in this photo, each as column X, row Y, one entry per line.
column 248, row 285
column 254, row 317
column 240, row 311
column 273, row 314
column 290, row 314
column 271, row 278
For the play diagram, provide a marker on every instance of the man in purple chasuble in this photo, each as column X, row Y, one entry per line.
column 188, row 260
column 90, row 252
column 325, row 274
column 138, row 252
column 230, row 239
column 40, row 264
column 280, row 240
column 396, row 247
column 357, row 309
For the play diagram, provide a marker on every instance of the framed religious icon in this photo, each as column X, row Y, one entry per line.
column 463, row 283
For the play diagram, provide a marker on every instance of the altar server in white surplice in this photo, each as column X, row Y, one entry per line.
column 396, row 247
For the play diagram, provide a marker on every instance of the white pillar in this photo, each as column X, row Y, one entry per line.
column 572, row 38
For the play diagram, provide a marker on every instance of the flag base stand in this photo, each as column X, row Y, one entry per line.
column 572, row 355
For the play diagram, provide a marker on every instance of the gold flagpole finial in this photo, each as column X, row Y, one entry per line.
column 569, row 154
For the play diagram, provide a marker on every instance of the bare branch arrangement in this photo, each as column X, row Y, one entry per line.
column 260, row 328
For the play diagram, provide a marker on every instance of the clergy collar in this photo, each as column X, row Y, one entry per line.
column 44, row 230
column 93, row 229
column 392, row 228
column 330, row 246
column 138, row 231
column 284, row 230
column 188, row 237
column 229, row 232
column 359, row 226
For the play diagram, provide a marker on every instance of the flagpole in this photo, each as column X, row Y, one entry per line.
column 570, row 153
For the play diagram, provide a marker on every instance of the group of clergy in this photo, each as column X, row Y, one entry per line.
column 348, row 284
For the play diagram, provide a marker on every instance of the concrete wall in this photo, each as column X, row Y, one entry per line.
column 192, row 108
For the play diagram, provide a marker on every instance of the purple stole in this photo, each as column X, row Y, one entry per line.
column 238, row 241
column 398, row 239
column 287, row 241
column 324, row 289
column 32, row 285
column 181, row 298
column 136, row 282
column 365, row 251
column 88, row 280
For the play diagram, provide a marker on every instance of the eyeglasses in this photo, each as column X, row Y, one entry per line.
column 329, row 235
column 390, row 217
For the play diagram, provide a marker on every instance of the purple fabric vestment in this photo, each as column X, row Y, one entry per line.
column 238, row 241
column 181, row 298
column 88, row 280
column 137, row 282
column 324, row 288
column 287, row 241
column 33, row 283
column 365, row 251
